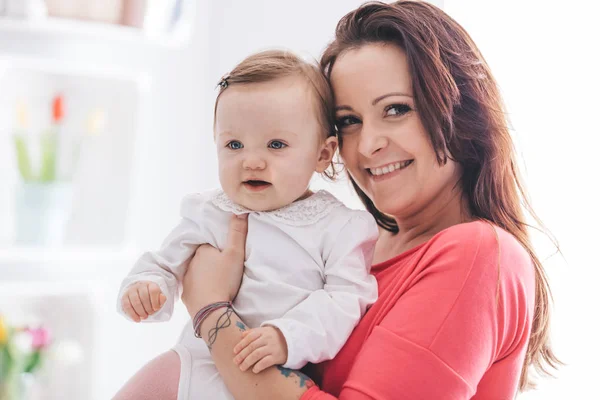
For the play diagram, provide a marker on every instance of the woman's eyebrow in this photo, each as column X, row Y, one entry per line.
column 378, row 99
column 343, row 108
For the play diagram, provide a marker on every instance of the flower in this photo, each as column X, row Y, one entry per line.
column 3, row 332
column 22, row 342
column 58, row 109
column 40, row 337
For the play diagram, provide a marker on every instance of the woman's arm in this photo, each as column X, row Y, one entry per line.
column 221, row 331
column 215, row 276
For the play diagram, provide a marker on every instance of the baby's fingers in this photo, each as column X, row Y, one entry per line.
column 145, row 298
column 264, row 363
column 156, row 296
column 247, row 338
column 254, row 357
column 136, row 303
column 128, row 309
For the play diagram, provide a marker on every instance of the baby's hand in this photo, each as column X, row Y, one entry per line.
column 261, row 347
column 142, row 299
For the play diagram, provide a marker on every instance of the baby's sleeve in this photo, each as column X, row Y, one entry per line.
column 317, row 328
column 166, row 267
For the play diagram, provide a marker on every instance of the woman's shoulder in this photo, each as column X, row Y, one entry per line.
column 478, row 235
column 482, row 243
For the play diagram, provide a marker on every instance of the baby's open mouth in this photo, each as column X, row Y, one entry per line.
column 256, row 185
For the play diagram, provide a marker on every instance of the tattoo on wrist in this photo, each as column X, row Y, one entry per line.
column 301, row 379
column 240, row 325
column 224, row 321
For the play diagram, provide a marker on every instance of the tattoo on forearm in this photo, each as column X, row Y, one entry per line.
column 223, row 322
column 301, row 379
column 240, row 325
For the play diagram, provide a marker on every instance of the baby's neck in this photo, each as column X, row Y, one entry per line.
column 306, row 195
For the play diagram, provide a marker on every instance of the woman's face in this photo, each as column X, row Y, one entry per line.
column 384, row 144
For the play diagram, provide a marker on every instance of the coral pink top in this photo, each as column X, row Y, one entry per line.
column 452, row 321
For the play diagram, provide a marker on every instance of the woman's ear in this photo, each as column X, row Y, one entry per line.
column 326, row 153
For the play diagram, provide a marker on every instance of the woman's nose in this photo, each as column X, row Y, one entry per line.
column 254, row 162
column 371, row 140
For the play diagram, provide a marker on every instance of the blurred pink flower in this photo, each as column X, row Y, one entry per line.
column 40, row 337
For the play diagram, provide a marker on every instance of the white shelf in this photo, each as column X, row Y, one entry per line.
column 80, row 29
column 61, row 68
column 29, row 264
column 37, row 255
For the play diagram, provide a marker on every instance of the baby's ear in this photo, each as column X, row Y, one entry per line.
column 326, row 153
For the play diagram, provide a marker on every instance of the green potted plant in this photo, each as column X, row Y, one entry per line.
column 22, row 353
column 43, row 197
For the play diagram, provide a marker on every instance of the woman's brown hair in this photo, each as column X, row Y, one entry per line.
column 462, row 110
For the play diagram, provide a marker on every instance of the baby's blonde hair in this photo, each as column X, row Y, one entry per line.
column 269, row 65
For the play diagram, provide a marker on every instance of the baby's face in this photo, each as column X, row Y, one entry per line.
column 269, row 142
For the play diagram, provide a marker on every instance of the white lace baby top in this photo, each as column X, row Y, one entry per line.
column 306, row 270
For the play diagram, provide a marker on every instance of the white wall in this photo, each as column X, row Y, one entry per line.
column 543, row 54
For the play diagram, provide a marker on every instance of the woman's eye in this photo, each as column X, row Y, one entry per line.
column 277, row 145
column 397, row 109
column 345, row 121
column 235, row 145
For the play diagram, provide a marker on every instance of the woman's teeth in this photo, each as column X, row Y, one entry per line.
column 390, row 168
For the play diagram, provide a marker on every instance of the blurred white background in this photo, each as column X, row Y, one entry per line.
column 144, row 99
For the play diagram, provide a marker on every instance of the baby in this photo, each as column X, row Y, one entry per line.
column 306, row 282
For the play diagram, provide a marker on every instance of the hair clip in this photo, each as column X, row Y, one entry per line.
column 223, row 82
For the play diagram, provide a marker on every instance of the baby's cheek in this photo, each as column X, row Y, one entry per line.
column 302, row 166
column 227, row 177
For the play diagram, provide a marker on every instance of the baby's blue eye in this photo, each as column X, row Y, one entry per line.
column 235, row 145
column 277, row 145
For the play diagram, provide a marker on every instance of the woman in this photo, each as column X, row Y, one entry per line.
column 463, row 300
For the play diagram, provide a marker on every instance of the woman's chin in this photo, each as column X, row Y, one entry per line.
column 391, row 206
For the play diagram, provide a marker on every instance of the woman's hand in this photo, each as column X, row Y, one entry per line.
column 215, row 275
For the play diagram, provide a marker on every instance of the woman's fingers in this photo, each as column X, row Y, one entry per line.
column 236, row 238
column 215, row 275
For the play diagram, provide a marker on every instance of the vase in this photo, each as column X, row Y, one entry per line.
column 42, row 213
column 17, row 387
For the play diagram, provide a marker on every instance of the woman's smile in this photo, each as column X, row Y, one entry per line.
column 389, row 170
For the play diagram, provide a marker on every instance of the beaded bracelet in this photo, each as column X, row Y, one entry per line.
column 205, row 312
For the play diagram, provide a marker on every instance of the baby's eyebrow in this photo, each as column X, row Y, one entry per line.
column 279, row 132
column 224, row 133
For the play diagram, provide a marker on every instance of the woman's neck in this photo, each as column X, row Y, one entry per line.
column 413, row 230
